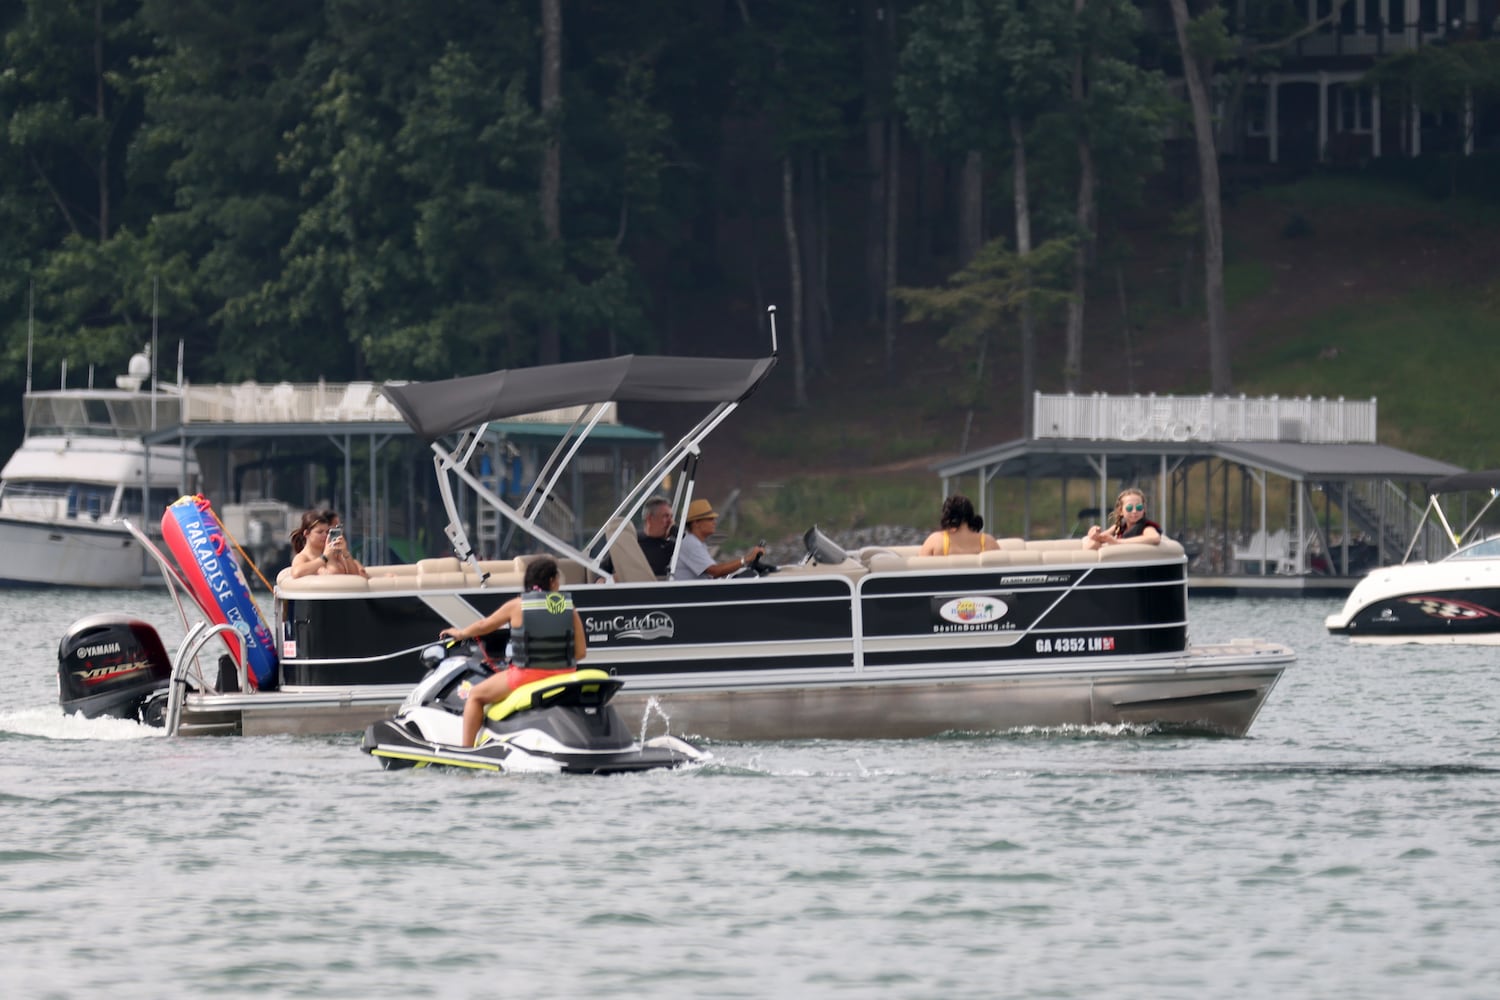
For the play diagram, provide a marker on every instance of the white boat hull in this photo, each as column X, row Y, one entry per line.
column 1210, row 689
column 1206, row 689
column 68, row 554
column 1451, row 602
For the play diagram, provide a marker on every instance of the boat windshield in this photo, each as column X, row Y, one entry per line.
column 1487, row 549
column 161, row 499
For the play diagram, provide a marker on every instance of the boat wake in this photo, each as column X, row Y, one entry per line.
column 47, row 723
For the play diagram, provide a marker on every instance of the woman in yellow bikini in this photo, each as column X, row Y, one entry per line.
column 961, row 531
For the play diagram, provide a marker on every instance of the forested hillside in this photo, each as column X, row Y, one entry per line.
column 379, row 189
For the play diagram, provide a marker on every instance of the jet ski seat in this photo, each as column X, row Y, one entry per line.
column 581, row 687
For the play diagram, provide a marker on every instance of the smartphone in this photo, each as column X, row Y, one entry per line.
column 334, row 534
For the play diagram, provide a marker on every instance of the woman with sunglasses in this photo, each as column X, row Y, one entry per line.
column 1127, row 524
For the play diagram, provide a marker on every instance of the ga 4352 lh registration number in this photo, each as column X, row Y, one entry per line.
column 1076, row 644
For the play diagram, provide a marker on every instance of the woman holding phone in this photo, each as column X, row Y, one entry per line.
column 319, row 547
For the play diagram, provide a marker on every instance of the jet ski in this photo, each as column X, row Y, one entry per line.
column 562, row 723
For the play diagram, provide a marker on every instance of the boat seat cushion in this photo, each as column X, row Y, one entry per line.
column 333, row 583
column 942, row 562
column 1070, row 557
column 849, row 567
column 626, row 556
column 446, row 581
column 393, row 569
column 1167, row 548
column 1054, row 544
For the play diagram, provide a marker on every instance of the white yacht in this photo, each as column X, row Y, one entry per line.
column 81, row 466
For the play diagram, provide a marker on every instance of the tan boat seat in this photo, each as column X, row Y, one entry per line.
column 341, row 583
column 849, row 567
column 1070, row 557
column 446, row 581
column 1165, row 549
column 626, row 556
column 942, row 562
column 393, row 569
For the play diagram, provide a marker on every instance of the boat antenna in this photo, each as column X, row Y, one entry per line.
column 30, row 322
column 179, row 364
column 771, row 311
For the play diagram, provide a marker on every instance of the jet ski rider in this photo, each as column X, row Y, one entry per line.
column 546, row 638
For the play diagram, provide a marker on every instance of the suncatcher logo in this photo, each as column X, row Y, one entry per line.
column 645, row 626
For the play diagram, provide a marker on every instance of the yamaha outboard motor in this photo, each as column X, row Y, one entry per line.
column 111, row 665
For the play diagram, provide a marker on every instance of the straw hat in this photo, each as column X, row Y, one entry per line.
column 699, row 509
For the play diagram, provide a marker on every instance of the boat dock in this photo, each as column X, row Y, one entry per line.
column 1268, row 495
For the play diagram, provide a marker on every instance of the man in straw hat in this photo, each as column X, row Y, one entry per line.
column 694, row 561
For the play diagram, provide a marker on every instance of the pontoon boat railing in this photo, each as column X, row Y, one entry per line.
column 187, row 658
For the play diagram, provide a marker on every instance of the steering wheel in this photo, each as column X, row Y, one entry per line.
column 760, row 567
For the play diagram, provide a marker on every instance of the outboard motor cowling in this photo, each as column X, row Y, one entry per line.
column 112, row 665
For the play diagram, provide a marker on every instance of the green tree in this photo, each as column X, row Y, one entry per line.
column 987, row 296
column 70, row 103
column 222, row 92
column 802, row 74
column 976, row 75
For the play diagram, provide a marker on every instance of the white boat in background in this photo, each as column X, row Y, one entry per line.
column 1455, row 599
column 81, row 466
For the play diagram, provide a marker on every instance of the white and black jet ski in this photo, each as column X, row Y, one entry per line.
column 563, row 723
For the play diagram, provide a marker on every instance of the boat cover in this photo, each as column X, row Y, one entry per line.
column 1486, row 480
column 433, row 409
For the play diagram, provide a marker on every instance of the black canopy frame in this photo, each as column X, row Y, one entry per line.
column 465, row 406
column 1463, row 482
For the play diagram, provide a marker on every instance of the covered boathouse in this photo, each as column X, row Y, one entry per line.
column 1267, row 495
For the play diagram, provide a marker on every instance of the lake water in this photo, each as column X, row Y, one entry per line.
column 1349, row 848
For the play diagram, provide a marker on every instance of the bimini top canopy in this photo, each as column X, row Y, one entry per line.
column 433, row 409
column 1487, row 480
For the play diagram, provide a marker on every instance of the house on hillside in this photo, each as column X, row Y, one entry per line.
column 1314, row 107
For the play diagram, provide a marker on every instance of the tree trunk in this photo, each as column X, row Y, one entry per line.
column 1193, row 74
column 925, row 211
column 875, row 75
column 101, row 112
column 550, row 349
column 794, row 261
column 1073, row 362
column 808, row 197
column 1023, row 250
column 892, row 215
column 971, row 207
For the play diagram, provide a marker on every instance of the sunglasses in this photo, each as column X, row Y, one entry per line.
column 1133, row 506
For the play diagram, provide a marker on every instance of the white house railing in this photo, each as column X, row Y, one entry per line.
column 1102, row 417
